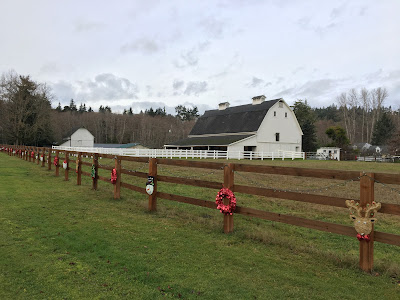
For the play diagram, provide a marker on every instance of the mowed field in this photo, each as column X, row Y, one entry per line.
column 63, row 241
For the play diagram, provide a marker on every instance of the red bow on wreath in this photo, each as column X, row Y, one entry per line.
column 363, row 237
column 114, row 176
column 56, row 161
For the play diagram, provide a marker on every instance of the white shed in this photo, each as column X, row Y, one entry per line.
column 330, row 152
column 79, row 138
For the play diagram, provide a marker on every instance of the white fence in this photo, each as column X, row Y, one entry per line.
column 202, row 154
column 316, row 156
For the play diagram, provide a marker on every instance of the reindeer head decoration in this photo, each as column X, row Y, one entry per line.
column 364, row 219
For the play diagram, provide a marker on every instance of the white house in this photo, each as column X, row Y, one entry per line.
column 79, row 138
column 263, row 126
column 329, row 152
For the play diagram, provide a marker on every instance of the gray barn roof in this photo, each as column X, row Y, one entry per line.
column 243, row 118
column 210, row 140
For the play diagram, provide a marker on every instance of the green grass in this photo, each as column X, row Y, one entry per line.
column 63, row 241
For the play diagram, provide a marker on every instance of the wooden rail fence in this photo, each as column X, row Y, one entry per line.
column 44, row 155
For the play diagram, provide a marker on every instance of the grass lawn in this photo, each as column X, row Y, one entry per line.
column 63, row 241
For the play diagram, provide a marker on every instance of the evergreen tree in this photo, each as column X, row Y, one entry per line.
column 150, row 112
column 27, row 106
column 81, row 110
column 186, row 114
column 59, row 108
column 130, row 112
column 90, row 109
column 383, row 130
column 338, row 136
column 72, row 106
column 306, row 118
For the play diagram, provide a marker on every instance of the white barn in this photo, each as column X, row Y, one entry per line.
column 263, row 126
column 79, row 138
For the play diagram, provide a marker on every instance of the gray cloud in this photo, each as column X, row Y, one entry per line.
column 178, row 84
column 255, row 82
column 306, row 24
column 258, row 82
column 337, row 12
column 143, row 45
column 195, row 88
column 213, row 27
column 143, row 105
column 104, row 87
column 191, row 57
column 64, row 91
column 84, row 26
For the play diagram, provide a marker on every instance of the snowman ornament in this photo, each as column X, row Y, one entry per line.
column 150, row 185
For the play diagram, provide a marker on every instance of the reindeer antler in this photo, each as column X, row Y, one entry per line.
column 354, row 206
column 372, row 209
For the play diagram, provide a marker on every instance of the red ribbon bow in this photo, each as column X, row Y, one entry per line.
column 56, row 161
column 363, row 237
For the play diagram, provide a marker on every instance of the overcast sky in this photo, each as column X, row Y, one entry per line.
column 144, row 53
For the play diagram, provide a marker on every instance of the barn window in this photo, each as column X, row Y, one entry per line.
column 274, row 113
column 277, row 136
column 285, row 114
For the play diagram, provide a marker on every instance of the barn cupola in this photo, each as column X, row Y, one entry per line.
column 223, row 105
column 258, row 99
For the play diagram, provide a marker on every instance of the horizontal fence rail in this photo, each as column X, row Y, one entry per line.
column 73, row 159
column 174, row 153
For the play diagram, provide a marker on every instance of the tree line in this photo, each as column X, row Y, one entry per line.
column 359, row 117
column 26, row 117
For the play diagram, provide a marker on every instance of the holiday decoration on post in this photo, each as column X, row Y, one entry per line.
column 114, row 176
column 365, row 218
column 219, row 200
column 93, row 172
column 55, row 161
column 65, row 165
column 33, row 154
column 41, row 157
column 150, row 185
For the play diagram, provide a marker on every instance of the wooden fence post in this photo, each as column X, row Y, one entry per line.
column 117, row 185
column 96, row 167
column 79, row 167
column 44, row 157
column 49, row 160
column 38, row 155
column 153, row 172
column 67, row 169
column 229, row 184
column 367, row 197
column 58, row 163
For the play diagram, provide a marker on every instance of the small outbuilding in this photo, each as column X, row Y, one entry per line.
column 332, row 153
column 80, row 137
